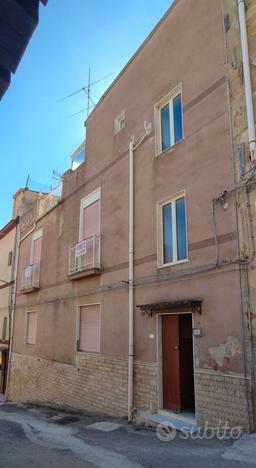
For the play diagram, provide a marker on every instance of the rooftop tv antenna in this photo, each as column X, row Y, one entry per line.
column 26, row 186
column 87, row 91
column 57, row 176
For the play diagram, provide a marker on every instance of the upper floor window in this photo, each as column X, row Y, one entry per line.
column 4, row 331
column 169, row 120
column 90, row 216
column 119, row 122
column 172, row 229
column 31, row 272
column 10, row 258
column 36, row 245
column 78, row 157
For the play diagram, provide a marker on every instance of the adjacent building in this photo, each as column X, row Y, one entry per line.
column 135, row 288
column 24, row 200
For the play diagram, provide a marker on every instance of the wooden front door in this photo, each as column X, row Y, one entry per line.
column 171, row 363
column 178, row 366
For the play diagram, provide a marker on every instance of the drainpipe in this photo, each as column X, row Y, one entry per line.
column 132, row 148
column 12, row 304
column 247, row 80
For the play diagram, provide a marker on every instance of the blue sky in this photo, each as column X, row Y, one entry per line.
column 37, row 135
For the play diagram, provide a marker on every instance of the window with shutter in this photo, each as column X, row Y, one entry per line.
column 89, row 330
column 31, row 328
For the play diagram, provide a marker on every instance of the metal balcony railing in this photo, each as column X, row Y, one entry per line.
column 85, row 255
column 31, row 277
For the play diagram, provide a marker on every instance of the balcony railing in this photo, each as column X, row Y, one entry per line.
column 85, row 255
column 31, row 277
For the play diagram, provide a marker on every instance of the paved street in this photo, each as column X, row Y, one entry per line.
column 39, row 437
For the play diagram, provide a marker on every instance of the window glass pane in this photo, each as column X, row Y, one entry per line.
column 167, row 234
column 165, row 127
column 79, row 159
column 177, row 115
column 181, row 229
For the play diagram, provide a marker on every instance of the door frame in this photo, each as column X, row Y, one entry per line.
column 160, row 356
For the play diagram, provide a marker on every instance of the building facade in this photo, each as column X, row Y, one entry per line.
column 24, row 199
column 8, row 235
column 132, row 287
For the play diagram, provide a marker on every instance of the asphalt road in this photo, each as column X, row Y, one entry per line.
column 32, row 436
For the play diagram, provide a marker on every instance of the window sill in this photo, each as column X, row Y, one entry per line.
column 86, row 353
column 82, row 274
column 30, row 290
column 179, row 262
column 169, row 150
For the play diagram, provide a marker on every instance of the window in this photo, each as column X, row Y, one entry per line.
column 90, row 216
column 79, row 157
column 172, row 231
column 9, row 258
column 4, row 334
column 169, row 120
column 119, row 121
column 89, row 328
column 36, row 244
column 31, row 328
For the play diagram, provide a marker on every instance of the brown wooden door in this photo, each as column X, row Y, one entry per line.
column 3, row 373
column 171, row 362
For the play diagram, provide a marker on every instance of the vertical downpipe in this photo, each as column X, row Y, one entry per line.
column 247, row 80
column 131, row 279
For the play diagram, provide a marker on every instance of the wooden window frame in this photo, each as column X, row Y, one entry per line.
column 36, row 235
column 78, row 350
column 26, row 326
column 85, row 202
column 160, row 244
column 119, row 117
column 168, row 99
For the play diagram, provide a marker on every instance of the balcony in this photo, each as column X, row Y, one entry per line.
column 30, row 279
column 84, row 258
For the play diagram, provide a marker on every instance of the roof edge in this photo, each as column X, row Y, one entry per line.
column 146, row 40
column 8, row 227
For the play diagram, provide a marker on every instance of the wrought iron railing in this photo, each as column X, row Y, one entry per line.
column 85, row 255
column 31, row 276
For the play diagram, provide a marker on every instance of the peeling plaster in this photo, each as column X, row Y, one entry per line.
column 224, row 352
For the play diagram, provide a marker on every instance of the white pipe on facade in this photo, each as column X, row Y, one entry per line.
column 12, row 305
column 247, row 79
column 132, row 148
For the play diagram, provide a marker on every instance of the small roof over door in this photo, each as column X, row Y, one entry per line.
column 194, row 305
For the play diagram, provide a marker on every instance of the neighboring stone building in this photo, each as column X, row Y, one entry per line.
column 9, row 241
column 184, row 285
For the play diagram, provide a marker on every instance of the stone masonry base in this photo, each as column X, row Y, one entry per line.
column 221, row 398
column 99, row 383
column 96, row 383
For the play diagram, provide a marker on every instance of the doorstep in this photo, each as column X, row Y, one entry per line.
column 184, row 422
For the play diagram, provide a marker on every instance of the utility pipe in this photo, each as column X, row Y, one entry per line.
column 132, row 148
column 12, row 303
column 247, row 80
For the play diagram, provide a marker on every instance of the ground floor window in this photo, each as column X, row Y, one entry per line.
column 89, row 328
column 31, row 328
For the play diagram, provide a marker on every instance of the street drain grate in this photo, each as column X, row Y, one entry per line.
column 105, row 426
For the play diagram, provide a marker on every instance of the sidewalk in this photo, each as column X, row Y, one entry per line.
column 73, row 439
